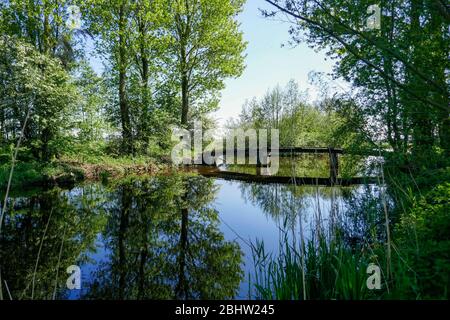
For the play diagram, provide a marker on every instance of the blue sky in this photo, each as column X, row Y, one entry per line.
column 268, row 64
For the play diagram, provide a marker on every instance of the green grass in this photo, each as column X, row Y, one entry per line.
column 326, row 267
column 36, row 173
column 318, row 269
column 77, row 163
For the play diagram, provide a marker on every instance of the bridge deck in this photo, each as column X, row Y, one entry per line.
column 333, row 179
column 290, row 150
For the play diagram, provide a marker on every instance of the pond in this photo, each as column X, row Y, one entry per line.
column 178, row 236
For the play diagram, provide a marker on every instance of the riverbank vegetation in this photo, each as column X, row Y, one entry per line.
column 399, row 102
column 163, row 63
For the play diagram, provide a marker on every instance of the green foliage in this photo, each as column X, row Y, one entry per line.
column 206, row 47
column 42, row 24
column 332, row 265
column 300, row 123
column 165, row 58
column 165, row 64
column 90, row 115
column 34, row 84
column 33, row 173
column 316, row 270
column 398, row 71
column 146, row 75
column 24, row 174
column 424, row 240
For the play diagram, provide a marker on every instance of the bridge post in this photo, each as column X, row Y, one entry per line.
column 258, row 159
column 334, row 165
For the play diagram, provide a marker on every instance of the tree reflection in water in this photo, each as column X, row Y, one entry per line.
column 33, row 266
column 165, row 243
column 160, row 235
column 354, row 214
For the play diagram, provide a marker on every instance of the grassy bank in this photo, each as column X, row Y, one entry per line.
column 67, row 170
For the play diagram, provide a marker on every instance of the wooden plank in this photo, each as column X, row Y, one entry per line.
column 293, row 150
column 310, row 150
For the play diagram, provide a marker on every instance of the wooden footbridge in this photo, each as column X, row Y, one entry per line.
column 263, row 160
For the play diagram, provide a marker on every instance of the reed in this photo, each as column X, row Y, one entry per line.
column 322, row 269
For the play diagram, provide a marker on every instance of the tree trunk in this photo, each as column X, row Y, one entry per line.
column 184, row 99
column 124, row 110
column 144, row 125
column 184, row 83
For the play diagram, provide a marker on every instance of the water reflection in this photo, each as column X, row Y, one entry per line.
column 164, row 243
column 160, row 239
column 352, row 213
column 44, row 234
column 323, row 233
column 288, row 203
column 168, row 237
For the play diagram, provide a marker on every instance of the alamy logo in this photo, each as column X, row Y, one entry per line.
column 374, row 280
column 74, row 20
column 373, row 22
column 74, row 280
column 236, row 150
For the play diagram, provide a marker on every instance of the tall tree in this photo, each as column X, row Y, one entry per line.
column 36, row 90
column 397, row 71
column 207, row 47
column 110, row 22
column 89, row 117
column 149, row 47
column 35, row 33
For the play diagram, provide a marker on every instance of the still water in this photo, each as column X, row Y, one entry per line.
column 167, row 237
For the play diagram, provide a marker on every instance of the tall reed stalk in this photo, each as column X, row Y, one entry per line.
column 324, row 269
